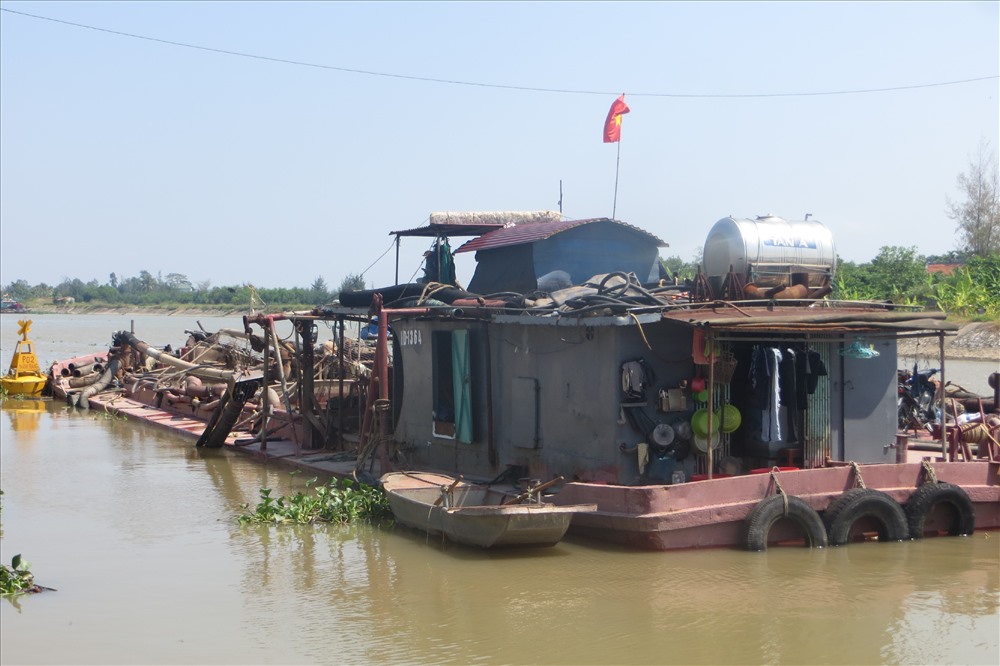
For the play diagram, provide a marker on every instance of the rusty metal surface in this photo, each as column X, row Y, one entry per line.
column 435, row 230
column 530, row 233
column 732, row 317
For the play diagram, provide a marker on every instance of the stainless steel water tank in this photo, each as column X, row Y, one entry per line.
column 768, row 250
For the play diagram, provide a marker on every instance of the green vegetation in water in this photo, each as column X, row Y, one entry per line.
column 16, row 579
column 340, row 501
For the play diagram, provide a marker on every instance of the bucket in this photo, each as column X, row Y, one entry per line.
column 701, row 442
column 731, row 418
column 699, row 422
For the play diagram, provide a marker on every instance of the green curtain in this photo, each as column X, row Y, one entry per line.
column 462, row 382
column 446, row 263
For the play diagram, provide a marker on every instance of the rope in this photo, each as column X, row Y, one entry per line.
column 930, row 476
column 777, row 484
column 430, row 289
column 642, row 332
column 858, row 481
column 975, row 433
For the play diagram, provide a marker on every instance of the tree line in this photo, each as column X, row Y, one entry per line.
column 151, row 290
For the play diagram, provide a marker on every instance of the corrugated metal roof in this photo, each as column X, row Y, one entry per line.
column 435, row 230
column 530, row 233
column 791, row 319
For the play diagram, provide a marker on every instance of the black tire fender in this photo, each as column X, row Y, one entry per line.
column 858, row 503
column 762, row 518
column 926, row 497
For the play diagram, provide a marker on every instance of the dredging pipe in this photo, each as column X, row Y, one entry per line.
column 82, row 399
column 228, row 412
column 200, row 371
column 231, row 402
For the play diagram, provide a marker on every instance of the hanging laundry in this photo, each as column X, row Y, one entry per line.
column 770, row 422
column 757, row 375
column 815, row 369
column 790, row 392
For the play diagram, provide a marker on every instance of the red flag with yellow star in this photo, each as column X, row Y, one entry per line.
column 613, row 125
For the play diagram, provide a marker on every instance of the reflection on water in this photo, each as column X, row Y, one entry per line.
column 136, row 529
column 23, row 415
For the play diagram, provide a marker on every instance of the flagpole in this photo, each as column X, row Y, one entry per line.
column 614, row 206
column 613, row 134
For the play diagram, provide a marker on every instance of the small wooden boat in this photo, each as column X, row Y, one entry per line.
column 24, row 377
column 8, row 304
column 476, row 515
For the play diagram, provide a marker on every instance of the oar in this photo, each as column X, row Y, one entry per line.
column 536, row 490
column 448, row 490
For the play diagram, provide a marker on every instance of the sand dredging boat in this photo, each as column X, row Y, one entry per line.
column 742, row 408
column 212, row 386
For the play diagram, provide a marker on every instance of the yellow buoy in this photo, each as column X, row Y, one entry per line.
column 24, row 376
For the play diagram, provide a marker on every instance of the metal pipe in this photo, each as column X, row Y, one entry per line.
column 397, row 260
column 491, row 446
column 340, row 382
column 86, row 369
column 85, row 380
column 83, row 397
column 307, row 388
column 264, row 399
column 281, row 375
column 711, row 401
column 366, row 421
column 944, row 439
column 166, row 359
column 382, row 372
column 827, row 318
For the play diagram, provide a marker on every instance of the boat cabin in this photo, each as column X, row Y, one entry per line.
column 585, row 397
column 613, row 374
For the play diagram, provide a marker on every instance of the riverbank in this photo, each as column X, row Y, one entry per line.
column 126, row 310
column 975, row 341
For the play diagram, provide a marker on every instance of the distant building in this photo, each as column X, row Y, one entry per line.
column 943, row 269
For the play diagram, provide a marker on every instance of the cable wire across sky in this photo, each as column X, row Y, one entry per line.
column 428, row 79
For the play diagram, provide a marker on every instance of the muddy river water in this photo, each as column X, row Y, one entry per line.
column 136, row 529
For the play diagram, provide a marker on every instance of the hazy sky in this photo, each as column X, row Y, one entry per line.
column 124, row 154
